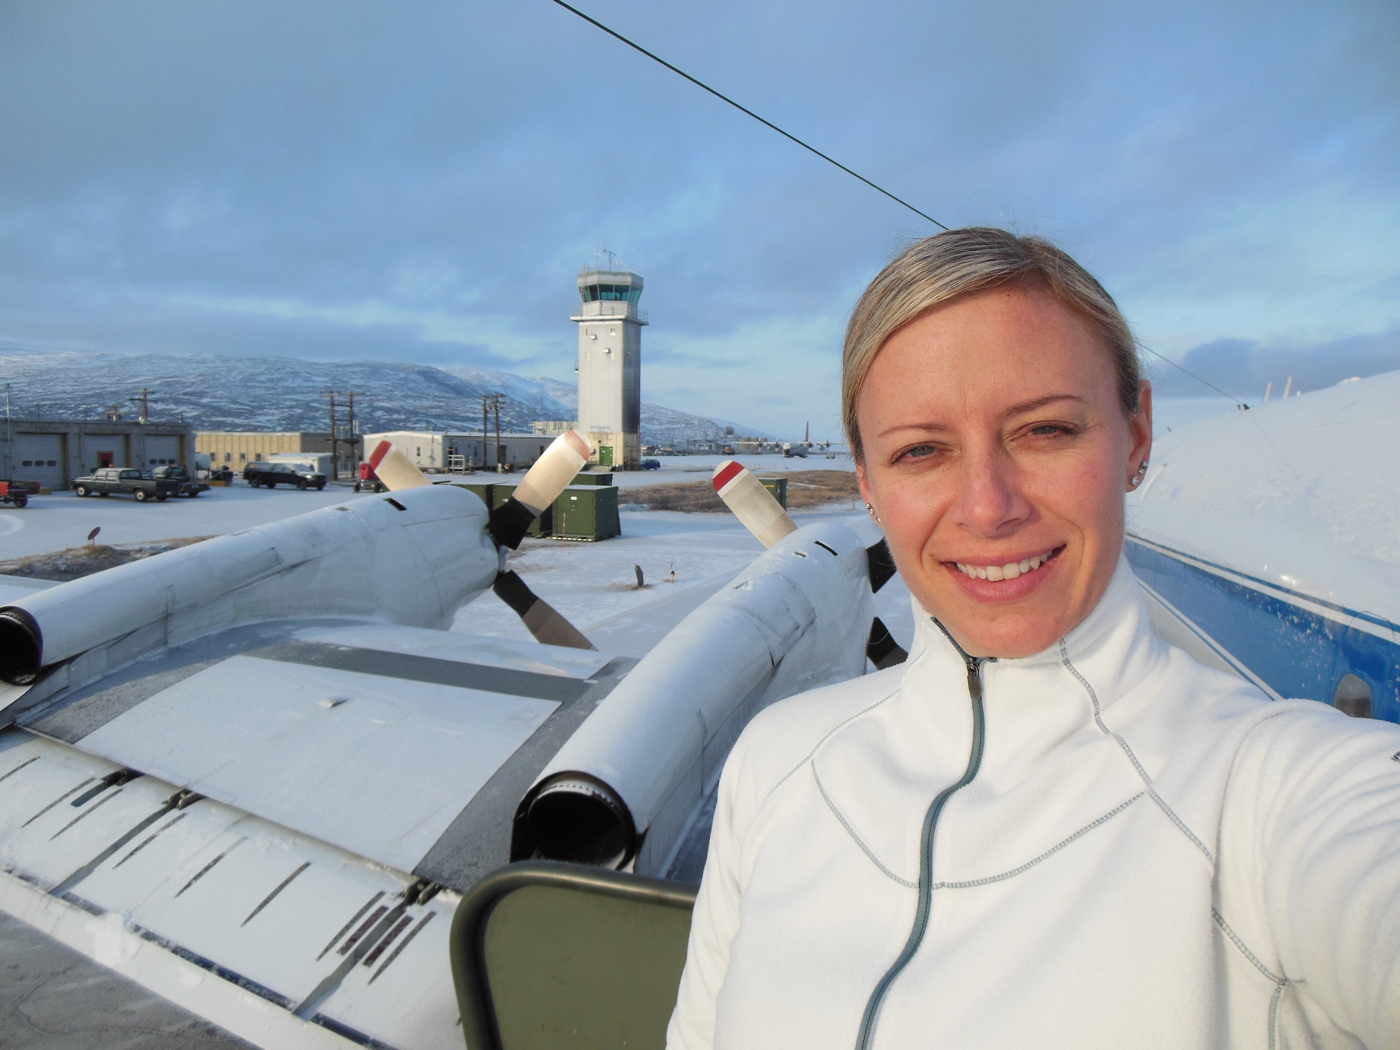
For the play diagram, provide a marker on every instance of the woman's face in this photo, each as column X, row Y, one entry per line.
column 997, row 455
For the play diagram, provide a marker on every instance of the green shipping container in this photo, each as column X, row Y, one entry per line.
column 778, row 487
column 494, row 494
column 587, row 512
column 541, row 526
column 482, row 490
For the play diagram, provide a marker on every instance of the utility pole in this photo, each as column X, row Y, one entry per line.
column 496, row 404
column 354, row 452
column 488, row 402
column 485, row 414
column 145, row 400
column 335, row 472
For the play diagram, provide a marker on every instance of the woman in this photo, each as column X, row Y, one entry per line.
column 1047, row 828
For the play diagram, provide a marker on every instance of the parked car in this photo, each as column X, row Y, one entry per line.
column 14, row 492
column 273, row 474
column 126, row 481
column 189, row 486
column 651, row 464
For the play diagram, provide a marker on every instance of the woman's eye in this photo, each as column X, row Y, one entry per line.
column 917, row 452
column 1050, row 429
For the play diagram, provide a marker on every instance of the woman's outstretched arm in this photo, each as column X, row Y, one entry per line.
column 712, row 927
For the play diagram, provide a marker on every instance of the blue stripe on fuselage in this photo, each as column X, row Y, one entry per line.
column 1297, row 651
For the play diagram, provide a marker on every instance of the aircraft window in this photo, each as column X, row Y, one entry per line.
column 28, row 463
column 1353, row 697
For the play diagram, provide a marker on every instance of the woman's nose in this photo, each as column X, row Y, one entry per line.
column 989, row 501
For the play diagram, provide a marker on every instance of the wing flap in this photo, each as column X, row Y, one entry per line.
column 379, row 766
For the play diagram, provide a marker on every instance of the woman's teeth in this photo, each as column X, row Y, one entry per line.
column 1009, row 571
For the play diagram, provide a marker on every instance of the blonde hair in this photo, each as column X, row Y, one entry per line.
column 947, row 266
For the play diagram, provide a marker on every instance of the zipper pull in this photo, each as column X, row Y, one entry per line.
column 974, row 678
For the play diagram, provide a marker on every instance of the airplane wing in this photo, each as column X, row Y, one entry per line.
column 1266, row 541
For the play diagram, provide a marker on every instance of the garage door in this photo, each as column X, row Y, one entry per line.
column 162, row 451
column 39, row 457
column 104, row 450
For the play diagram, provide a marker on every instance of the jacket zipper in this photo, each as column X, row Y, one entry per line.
column 921, row 917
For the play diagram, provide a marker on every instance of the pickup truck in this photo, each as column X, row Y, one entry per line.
column 15, row 492
column 274, row 474
column 189, row 486
column 126, row 481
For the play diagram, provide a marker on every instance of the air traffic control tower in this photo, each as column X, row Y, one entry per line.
column 610, row 365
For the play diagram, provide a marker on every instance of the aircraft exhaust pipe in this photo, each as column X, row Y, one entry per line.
column 21, row 646
column 577, row 818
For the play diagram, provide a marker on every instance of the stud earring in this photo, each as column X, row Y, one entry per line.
column 1136, row 479
column 871, row 511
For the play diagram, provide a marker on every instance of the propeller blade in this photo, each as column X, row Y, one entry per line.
column 882, row 649
column 751, row 503
column 552, row 472
column 541, row 618
column 540, row 487
column 395, row 469
column 881, row 564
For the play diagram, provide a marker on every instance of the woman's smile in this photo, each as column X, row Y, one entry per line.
column 992, row 581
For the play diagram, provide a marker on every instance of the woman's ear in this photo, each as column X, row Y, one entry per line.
column 1140, row 429
column 865, row 493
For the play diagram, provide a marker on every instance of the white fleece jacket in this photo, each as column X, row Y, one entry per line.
column 1150, row 854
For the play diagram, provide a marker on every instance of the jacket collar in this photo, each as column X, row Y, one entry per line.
column 1113, row 647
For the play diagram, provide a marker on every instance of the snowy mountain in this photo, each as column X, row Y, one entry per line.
column 279, row 393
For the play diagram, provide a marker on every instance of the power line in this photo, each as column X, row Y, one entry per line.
column 749, row 112
column 830, row 160
column 1194, row 376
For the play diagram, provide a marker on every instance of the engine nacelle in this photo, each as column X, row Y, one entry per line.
column 630, row 779
column 349, row 560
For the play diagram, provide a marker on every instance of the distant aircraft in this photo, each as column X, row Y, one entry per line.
column 257, row 776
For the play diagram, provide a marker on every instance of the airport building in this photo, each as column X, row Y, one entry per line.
column 235, row 449
column 434, row 451
column 610, row 365
column 55, row 451
column 553, row 427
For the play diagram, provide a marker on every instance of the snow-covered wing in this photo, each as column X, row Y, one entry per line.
column 374, row 738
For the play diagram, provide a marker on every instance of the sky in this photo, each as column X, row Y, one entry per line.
column 421, row 182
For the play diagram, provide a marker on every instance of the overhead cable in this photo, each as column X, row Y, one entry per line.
column 812, row 149
column 1194, row 376
column 746, row 110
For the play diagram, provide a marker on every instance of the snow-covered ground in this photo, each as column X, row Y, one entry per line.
column 62, row 520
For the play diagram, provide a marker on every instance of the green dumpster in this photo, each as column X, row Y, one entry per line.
column 589, row 478
column 587, row 512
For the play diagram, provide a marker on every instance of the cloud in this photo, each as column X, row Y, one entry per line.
column 1246, row 368
column 337, row 180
